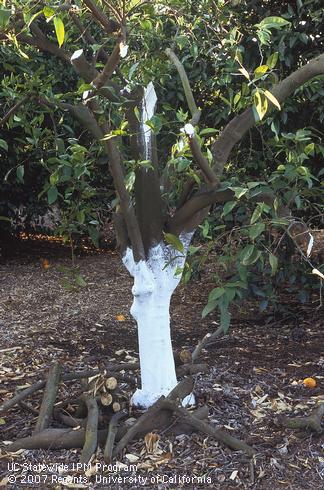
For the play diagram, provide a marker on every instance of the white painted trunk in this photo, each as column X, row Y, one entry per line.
column 154, row 283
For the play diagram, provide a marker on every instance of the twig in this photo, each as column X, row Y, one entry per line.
column 209, row 337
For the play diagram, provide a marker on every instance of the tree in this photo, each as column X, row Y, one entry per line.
column 119, row 114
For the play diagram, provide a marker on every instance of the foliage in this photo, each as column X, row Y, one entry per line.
column 233, row 53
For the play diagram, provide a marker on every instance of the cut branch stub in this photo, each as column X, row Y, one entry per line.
column 51, row 389
column 90, row 443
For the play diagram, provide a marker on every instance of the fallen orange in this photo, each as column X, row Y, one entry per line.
column 120, row 318
column 46, row 264
column 309, row 382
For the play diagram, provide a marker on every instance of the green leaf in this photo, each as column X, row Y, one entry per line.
column 249, row 255
column 207, row 131
column 59, row 30
column 84, row 87
column 137, row 114
column 236, row 284
column 273, row 263
column 94, row 235
column 52, row 194
column 174, row 241
column 273, row 21
column 208, row 308
column 246, row 253
column 244, row 72
column 215, row 294
column 182, row 41
column 3, row 145
column 20, row 171
column 272, row 99
column 256, row 230
column 4, row 17
column 146, row 24
column 80, row 281
column 272, row 60
column 260, row 71
column 155, row 123
column 260, row 104
column 256, row 214
column 239, row 191
column 48, row 12
column 230, row 294
column 228, row 207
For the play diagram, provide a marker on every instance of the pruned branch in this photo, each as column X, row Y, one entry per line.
column 208, row 338
column 51, row 389
column 311, row 422
column 202, row 426
column 90, row 443
column 109, row 68
column 109, row 25
column 87, row 71
column 149, row 205
column 195, row 112
column 195, row 147
column 201, row 160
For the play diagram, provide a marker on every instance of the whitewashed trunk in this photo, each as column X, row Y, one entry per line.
column 154, row 283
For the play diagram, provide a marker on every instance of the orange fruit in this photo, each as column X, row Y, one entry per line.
column 46, row 264
column 120, row 318
column 309, row 382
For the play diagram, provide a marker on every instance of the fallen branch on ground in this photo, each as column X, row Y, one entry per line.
column 86, row 433
column 201, row 426
column 311, row 422
column 51, row 389
column 90, row 443
column 207, row 339
column 113, row 371
column 112, row 432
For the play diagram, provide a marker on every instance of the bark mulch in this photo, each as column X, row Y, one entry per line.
column 254, row 379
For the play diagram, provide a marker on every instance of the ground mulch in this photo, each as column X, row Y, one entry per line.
column 255, row 375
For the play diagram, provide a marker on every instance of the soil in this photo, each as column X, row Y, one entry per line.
column 255, row 375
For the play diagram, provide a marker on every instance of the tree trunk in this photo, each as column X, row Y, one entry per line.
column 154, row 282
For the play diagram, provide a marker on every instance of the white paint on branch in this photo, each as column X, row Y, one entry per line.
column 148, row 108
column 123, row 49
column 310, row 245
column 188, row 129
column 154, row 283
column 76, row 54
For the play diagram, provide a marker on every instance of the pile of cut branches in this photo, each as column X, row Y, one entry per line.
column 102, row 414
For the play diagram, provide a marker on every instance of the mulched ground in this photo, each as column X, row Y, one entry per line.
column 255, row 375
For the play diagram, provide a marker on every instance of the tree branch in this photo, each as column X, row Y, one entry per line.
column 14, row 109
column 195, row 147
column 195, row 112
column 109, row 25
column 127, row 209
column 186, row 217
column 110, row 65
column 149, row 206
column 237, row 128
